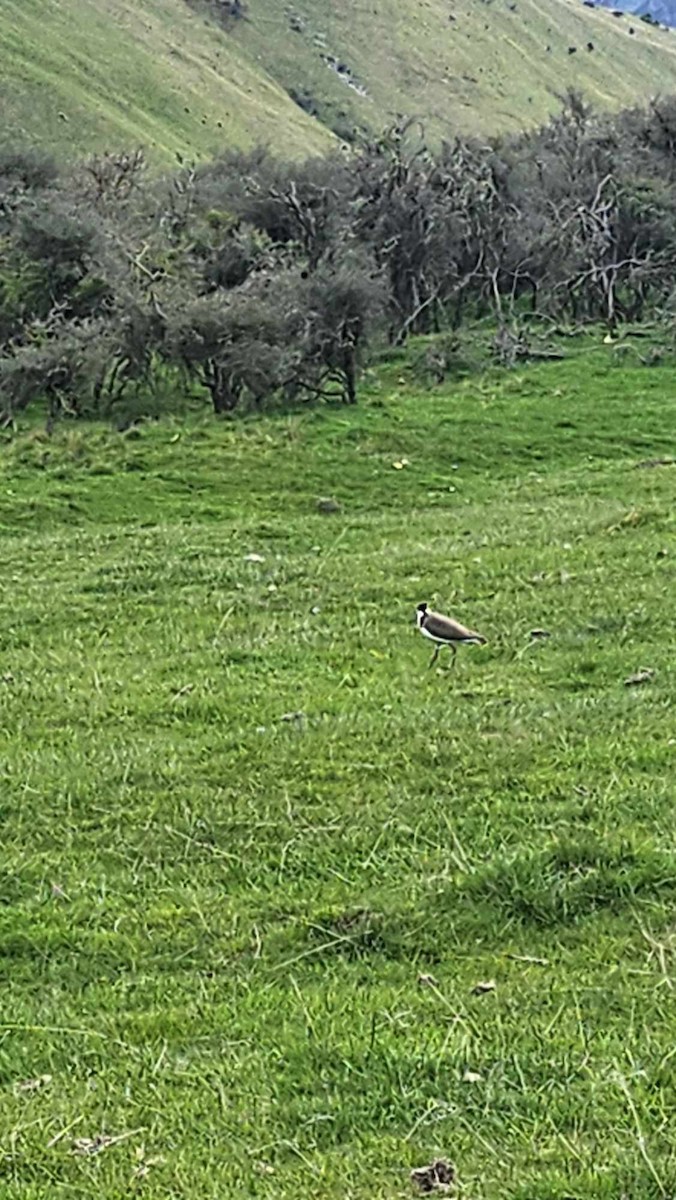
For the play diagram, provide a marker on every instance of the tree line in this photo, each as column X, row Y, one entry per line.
column 256, row 280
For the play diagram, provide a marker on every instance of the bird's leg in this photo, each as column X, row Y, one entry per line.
column 454, row 651
column 435, row 655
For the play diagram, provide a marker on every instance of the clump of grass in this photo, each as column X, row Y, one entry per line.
column 573, row 879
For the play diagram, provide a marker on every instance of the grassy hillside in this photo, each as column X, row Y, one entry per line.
column 257, row 858
column 89, row 74
column 472, row 64
column 79, row 75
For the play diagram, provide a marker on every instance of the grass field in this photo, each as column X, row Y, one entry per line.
column 256, row 857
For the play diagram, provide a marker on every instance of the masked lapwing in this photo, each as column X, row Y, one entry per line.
column 445, row 632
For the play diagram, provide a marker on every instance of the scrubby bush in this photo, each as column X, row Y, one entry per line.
column 262, row 280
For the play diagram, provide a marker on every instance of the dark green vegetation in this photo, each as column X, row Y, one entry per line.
column 263, row 283
column 183, row 76
column 257, row 858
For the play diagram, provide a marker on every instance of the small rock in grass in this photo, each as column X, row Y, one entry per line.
column 87, row 1146
column 102, row 1141
column 483, row 987
column 472, row 1077
column 326, row 505
column 254, row 558
column 34, row 1085
column 643, row 675
column 540, row 634
column 439, row 1176
column 428, row 981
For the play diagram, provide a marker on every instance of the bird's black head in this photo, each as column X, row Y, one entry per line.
column 420, row 615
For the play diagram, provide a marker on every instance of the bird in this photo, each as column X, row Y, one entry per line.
column 445, row 632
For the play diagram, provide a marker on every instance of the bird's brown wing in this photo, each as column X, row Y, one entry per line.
column 448, row 629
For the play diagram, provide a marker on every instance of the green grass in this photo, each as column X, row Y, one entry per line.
column 87, row 75
column 214, row 919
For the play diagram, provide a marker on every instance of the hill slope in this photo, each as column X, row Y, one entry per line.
column 468, row 64
column 86, row 74
column 79, row 75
